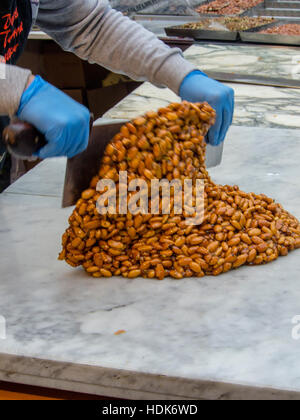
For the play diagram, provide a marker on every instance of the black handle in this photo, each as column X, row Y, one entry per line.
column 22, row 139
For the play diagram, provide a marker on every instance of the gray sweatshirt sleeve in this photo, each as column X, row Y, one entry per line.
column 97, row 33
column 13, row 81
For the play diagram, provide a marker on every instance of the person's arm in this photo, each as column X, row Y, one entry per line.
column 13, row 82
column 97, row 33
column 63, row 121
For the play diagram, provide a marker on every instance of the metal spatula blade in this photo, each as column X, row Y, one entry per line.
column 81, row 168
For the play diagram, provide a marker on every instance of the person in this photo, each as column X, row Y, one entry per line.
column 94, row 31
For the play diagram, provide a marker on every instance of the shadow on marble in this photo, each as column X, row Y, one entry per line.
column 42, row 179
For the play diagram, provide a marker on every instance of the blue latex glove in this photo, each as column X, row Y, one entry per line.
column 198, row 87
column 64, row 122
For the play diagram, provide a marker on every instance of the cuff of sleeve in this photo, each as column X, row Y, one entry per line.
column 12, row 88
column 173, row 71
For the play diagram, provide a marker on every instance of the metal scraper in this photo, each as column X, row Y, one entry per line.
column 23, row 140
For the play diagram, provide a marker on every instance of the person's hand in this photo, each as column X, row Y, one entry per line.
column 64, row 122
column 198, row 87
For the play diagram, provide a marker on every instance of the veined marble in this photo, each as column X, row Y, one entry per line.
column 269, row 61
column 255, row 106
column 42, row 180
column 219, row 338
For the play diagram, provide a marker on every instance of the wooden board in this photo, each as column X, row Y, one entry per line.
column 10, row 391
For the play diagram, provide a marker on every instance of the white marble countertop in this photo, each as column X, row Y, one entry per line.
column 217, row 338
column 262, row 106
column 261, row 60
column 39, row 35
column 255, row 106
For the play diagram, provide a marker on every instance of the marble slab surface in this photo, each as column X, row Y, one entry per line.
column 39, row 35
column 255, row 106
column 157, row 7
column 42, row 179
column 269, row 61
column 221, row 338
